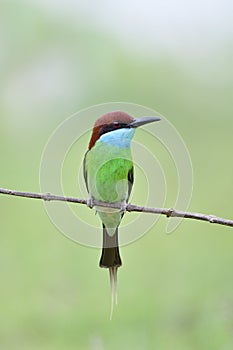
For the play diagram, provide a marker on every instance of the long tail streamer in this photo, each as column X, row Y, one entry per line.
column 113, row 284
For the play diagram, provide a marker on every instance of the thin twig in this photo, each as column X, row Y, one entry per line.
column 130, row 207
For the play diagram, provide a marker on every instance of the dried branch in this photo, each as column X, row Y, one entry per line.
column 130, row 207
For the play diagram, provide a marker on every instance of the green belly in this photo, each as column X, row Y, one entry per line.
column 108, row 169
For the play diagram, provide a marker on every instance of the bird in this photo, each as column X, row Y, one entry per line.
column 109, row 175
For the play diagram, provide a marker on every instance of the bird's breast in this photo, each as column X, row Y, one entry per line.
column 107, row 172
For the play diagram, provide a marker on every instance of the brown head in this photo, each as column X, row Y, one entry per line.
column 109, row 122
column 116, row 120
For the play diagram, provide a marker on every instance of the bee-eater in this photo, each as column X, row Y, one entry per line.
column 109, row 176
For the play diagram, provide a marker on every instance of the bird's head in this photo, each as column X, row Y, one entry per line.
column 116, row 120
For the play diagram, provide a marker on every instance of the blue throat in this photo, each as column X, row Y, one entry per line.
column 120, row 138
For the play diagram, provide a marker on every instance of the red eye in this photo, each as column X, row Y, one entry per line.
column 116, row 125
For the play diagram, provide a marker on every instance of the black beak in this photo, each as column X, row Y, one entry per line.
column 142, row 121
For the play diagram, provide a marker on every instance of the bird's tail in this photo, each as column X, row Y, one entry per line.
column 110, row 252
column 111, row 259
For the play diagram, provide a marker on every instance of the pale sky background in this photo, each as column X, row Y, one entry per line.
column 169, row 23
column 197, row 36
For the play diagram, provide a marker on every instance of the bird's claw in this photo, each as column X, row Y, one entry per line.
column 90, row 202
column 123, row 207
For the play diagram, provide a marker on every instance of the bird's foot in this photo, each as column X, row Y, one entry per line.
column 123, row 207
column 90, row 202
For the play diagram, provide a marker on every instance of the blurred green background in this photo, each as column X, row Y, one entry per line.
column 175, row 291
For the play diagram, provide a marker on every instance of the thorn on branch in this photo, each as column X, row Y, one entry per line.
column 170, row 212
column 212, row 219
column 47, row 196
